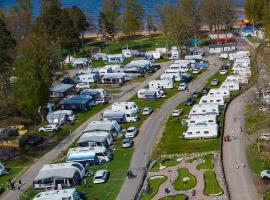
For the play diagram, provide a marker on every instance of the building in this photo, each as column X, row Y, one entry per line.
column 61, row 90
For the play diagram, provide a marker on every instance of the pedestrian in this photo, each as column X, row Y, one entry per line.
column 233, row 135
column 188, row 89
column 241, row 128
column 236, row 166
column 243, row 164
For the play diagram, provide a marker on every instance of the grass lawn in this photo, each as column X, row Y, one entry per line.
column 176, row 197
column 211, row 186
column 254, row 40
column 154, row 184
column 267, row 195
column 164, row 162
column 208, row 162
column 180, row 184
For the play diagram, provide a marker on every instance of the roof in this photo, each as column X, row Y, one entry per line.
column 55, row 194
column 200, row 126
column 221, row 45
column 93, row 137
column 56, row 170
column 91, row 92
column 114, row 75
column 77, row 99
column 100, row 126
column 61, row 87
column 249, row 29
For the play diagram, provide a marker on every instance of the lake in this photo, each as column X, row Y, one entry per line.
column 92, row 7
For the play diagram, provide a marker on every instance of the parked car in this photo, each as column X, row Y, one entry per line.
column 215, row 82
column 101, row 176
column 177, row 113
column 196, row 95
column 223, row 72
column 67, row 80
column 35, row 140
column 196, row 71
column 182, row 87
column 190, row 101
column 205, row 90
column 131, row 132
column 265, row 136
column 186, row 79
column 127, row 142
column 147, row 111
column 156, row 66
column 265, row 174
column 49, row 128
column 83, row 86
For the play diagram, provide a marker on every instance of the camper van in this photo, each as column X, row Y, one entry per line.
column 160, row 84
column 201, row 119
column 64, row 174
column 127, row 107
column 120, row 116
column 68, row 194
column 98, row 138
column 201, row 131
column 89, row 155
column 150, row 94
column 231, row 86
column 225, row 93
column 206, row 99
column 204, row 109
column 61, row 117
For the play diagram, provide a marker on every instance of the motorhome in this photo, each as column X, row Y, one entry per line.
column 206, row 99
column 231, row 86
column 127, row 107
column 105, row 70
column 3, row 170
column 219, row 92
column 98, row 138
column 201, row 131
column 64, row 174
column 111, row 127
column 93, row 155
column 204, row 109
column 87, row 78
column 161, row 84
column 65, row 194
column 119, row 116
column 201, row 119
column 150, row 94
column 61, row 117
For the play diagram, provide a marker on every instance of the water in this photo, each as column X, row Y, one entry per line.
column 92, row 7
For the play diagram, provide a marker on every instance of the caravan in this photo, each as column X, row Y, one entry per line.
column 61, row 117
column 86, row 78
column 176, row 73
column 150, row 94
column 98, row 138
column 206, row 99
column 201, row 119
column 66, row 194
column 224, row 93
column 111, row 127
column 231, row 86
column 160, row 84
column 127, row 107
column 204, row 109
column 120, row 116
column 201, row 131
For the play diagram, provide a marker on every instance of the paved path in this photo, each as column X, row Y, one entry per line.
column 28, row 176
column 152, row 128
column 240, row 182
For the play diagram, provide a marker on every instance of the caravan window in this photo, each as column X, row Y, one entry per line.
column 211, row 101
column 204, row 101
column 213, row 110
column 218, row 100
column 210, row 121
column 197, row 132
column 204, row 110
column 126, row 107
column 190, row 133
column 192, row 122
column 206, row 132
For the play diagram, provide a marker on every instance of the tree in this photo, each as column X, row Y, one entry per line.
column 109, row 18
column 33, row 70
column 79, row 19
column 266, row 24
column 149, row 24
column 254, row 9
column 133, row 17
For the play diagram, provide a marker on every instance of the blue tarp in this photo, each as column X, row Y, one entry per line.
column 193, row 42
column 248, row 29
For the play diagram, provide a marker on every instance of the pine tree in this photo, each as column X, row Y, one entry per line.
column 149, row 24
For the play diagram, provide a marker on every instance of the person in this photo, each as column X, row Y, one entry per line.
column 236, row 166
column 243, row 164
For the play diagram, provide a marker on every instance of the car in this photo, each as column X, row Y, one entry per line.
column 196, row 95
column 147, row 111
column 190, row 101
column 196, row 71
column 67, row 80
column 223, row 72
column 186, row 79
column 127, row 142
column 205, row 90
column 35, row 140
column 182, row 87
column 83, row 86
column 215, row 82
column 131, row 132
column 49, row 128
column 265, row 136
column 100, row 176
column 265, row 174
column 177, row 113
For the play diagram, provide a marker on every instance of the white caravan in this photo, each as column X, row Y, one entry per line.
column 175, row 72
column 105, row 70
column 103, row 126
column 160, row 84
column 206, row 99
column 127, row 107
column 174, row 54
column 120, row 116
column 69, row 194
column 150, row 94
column 219, row 92
column 193, row 57
column 204, row 109
column 201, row 119
column 232, row 86
column 61, row 117
column 201, row 131
column 241, row 79
column 169, row 77
column 98, row 138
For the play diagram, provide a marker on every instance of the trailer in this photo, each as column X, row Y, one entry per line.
column 119, row 116
column 127, row 107
column 68, row 194
column 201, row 119
column 206, row 99
column 161, row 84
column 225, row 93
column 95, row 138
column 204, row 109
column 203, row 131
column 231, row 86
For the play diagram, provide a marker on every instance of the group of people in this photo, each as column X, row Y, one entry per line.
column 130, row 174
column 13, row 185
column 227, row 138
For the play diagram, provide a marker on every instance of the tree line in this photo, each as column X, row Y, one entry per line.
column 30, row 49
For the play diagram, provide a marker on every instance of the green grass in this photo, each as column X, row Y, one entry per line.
column 153, row 187
column 180, row 185
column 164, row 162
column 98, row 64
column 254, row 40
column 211, row 186
column 176, row 197
column 267, row 195
column 208, row 162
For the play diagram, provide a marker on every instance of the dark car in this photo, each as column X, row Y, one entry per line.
column 190, row 101
column 156, row 66
column 67, row 80
column 196, row 95
column 187, row 79
column 205, row 90
column 35, row 140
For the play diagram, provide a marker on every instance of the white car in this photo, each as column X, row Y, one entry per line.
column 265, row 174
column 49, row 128
column 100, row 176
column 177, row 113
column 131, row 132
column 147, row 111
column 223, row 72
column 196, row 71
column 182, row 87
column 83, row 86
